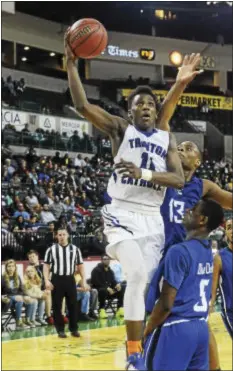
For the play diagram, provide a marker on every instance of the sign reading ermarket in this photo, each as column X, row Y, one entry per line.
column 194, row 100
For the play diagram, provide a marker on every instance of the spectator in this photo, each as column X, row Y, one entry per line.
column 72, row 225
column 15, row 180
column 57, row 208
column 79, row 162
column 57, row 159
column 102, row 279
column 62, row 222
column 32, row 288
column 33, row 224
column 31, row 199
column 46, row 216
column 5, row 223
column 20, row 224
column 26, row 129
column 83, row 295
column 12, row 294
column 50, row 235
column 21, row 212
column 99, row 242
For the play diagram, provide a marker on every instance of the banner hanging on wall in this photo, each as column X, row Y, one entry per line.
column 69, row 126
column 194, row 100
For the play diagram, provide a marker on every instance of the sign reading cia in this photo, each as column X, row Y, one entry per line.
column 147, row 54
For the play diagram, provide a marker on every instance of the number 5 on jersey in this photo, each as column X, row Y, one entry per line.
column 202, row 306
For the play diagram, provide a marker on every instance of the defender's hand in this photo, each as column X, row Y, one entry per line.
column 187, row 72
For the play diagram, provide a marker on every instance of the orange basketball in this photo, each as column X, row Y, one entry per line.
column 87, row 38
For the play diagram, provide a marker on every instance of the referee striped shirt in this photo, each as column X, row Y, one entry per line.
column 63, row 260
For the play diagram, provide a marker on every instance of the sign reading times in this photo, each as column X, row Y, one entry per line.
column 116, row 51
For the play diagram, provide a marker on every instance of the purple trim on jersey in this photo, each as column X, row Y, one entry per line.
column 146, row 133
column 114, row 221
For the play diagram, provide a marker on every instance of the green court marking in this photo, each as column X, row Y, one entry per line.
column 50, row 330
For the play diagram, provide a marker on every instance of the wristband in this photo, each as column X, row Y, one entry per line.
column 146, row 174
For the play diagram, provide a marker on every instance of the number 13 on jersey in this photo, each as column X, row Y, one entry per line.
column 176, row 211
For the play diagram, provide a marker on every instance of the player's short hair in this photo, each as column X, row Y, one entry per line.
column 214, row 212
column 142, row 89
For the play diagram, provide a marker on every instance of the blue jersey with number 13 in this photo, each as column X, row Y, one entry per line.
column 175, row 203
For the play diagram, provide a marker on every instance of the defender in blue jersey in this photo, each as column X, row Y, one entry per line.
column 177, row 201
column 222, row 278
column 176, row 336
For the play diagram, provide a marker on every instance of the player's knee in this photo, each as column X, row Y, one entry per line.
column 138, row 274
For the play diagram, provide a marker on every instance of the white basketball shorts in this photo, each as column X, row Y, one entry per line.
column 147, row 230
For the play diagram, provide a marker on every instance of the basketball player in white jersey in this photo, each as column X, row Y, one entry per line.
column 133, row 224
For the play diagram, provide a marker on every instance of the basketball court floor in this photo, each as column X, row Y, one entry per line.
column 101, row 347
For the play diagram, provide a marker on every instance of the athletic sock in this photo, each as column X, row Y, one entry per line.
column 133, row 347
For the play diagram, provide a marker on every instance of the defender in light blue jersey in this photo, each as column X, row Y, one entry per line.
column 222, row 278
column 176, row 336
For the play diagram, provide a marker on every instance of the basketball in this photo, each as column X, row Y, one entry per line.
column 87, row 38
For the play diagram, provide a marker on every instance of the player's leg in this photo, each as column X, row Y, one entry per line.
column 200, row 359
column 214, row 363
column 175, row 347
column 130, row 256
column 227, row 319
column 153, row 292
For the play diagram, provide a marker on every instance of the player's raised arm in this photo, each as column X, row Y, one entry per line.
column 186, row 74
column 104, row 121
column 213, row 191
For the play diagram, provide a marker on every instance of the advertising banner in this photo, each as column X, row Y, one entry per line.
column 69, row 126
column 194, row 100
column 16, row 118
column 47, row 122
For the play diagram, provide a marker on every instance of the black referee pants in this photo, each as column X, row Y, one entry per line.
column 64, row 287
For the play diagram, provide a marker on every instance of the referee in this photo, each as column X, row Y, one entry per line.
column 61, row 260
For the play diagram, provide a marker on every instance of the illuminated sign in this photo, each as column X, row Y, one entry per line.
column 207, row 62
column 116, row 51
column 147, row 54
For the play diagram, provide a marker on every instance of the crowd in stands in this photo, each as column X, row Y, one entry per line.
column 41, row 193
column 48, row 139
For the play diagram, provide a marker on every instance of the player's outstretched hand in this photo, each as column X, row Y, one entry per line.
column 68, row 52
column 128, row 169
column 188, row 70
